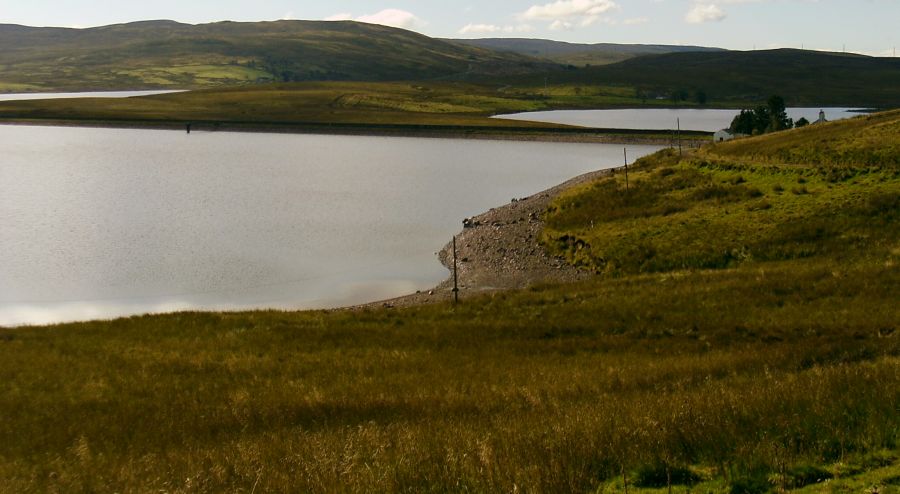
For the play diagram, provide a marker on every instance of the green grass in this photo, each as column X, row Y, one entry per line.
column 836, row 194
column 742, row 337
column 869, row 142
column 191, row 75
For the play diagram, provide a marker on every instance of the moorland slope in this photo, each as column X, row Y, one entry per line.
column 160, row 54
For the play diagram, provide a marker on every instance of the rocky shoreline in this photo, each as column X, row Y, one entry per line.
column 500, row 250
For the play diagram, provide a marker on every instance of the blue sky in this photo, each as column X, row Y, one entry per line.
column 863, row 26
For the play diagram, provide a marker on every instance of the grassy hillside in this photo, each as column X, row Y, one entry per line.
column 803, row 78
column 742, row 339
column 578, row 54
column 166, row 54
column 159, row 54
column 828, row 191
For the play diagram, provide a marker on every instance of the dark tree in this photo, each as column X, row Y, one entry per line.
column 770, row 118
column 778, row 119
column 801, row 122
column 744, row 123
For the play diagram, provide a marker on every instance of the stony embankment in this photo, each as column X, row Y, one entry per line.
column 500, row 250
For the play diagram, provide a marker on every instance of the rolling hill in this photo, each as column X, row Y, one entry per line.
column 801, row 77
column 167, row 54
column 159, row 54
column 579, row 54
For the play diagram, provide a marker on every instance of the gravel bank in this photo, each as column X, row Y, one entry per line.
column 500, row 251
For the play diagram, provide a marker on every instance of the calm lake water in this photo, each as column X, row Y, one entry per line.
column 706, row 120
column 92, row 94
column 98, row 223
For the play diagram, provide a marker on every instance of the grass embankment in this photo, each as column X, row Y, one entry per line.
column 828, row 190
column 776, row 370
column 441, row 107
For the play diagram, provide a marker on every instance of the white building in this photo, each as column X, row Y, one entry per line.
column 723, row 135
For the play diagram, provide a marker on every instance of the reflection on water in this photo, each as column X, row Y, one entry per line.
column 98, row 223
column 709, row 120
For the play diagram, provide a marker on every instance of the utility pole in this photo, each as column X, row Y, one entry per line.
column 626, row 169
column 455, row 275
column 679, row 136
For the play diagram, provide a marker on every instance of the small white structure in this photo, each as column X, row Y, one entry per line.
column 822, row 118
column 723, row 135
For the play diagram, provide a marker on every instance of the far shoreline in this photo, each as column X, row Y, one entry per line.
column 585, row 135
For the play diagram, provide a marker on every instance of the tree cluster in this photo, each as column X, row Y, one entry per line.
column 769, row 118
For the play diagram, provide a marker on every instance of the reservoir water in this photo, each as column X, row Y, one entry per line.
column 99, row 223
column 90, row 94
column 709, row 120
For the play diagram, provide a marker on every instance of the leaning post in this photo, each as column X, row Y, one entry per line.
column 455, row 275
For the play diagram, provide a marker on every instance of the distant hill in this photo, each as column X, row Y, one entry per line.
column 578, row 54
column 801, row 77
column 154, row 54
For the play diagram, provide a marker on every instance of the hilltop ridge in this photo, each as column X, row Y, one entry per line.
column 162, row 53
column 580, row 54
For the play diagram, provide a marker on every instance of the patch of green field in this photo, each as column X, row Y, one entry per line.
column 12, row 87
column 187, row 75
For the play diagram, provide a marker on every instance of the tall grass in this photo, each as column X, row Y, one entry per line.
column 552, row 389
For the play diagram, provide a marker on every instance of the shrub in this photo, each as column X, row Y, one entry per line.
column 756, row 484
column 805, row 474
column 655, row 475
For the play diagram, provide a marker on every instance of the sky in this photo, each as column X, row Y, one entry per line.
column 861, row 26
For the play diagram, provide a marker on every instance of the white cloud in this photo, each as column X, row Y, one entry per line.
column 493, row 29
column 480, row 29
column 705, row 12
column 388, row 17
column 561, row 25
column 566, row 9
